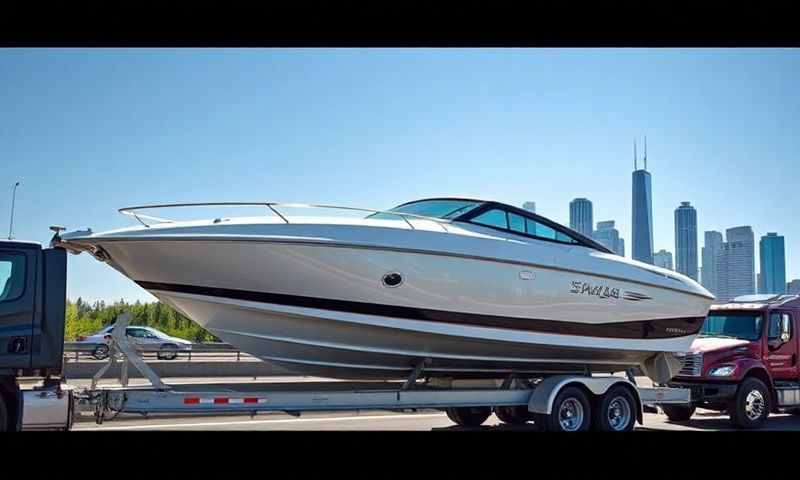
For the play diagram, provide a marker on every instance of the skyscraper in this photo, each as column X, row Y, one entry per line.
column 712, row 246
column 736, row 264
column 772, row 258
column 580, row 216
column 642, row 212
column 793, row 287
column 530, row 206
column 663, row 259
column 686, row 240
column 608, row 236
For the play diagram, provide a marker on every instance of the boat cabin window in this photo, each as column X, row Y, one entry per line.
column 430, row 208
column 494, row 218
column 516, row 222
column 499, row 218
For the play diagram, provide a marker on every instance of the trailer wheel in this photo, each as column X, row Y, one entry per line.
column 571, row 412
column 750, row 407
column 468, row 416
column 516, row 415
column 678, row 413
column 616, row 411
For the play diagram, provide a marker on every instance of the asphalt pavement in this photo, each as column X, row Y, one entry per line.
column 380, row 421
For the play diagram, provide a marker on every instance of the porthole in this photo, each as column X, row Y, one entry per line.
column 392, row 279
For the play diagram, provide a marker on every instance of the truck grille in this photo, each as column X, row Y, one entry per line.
column 692, row 365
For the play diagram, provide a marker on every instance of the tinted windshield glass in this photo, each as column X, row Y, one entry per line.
column 431, row 208
column 746, row 326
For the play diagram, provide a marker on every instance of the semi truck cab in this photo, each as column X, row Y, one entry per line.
column 744, row 361
column 32, row 305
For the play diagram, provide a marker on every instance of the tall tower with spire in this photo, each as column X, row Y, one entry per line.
column 642, row 211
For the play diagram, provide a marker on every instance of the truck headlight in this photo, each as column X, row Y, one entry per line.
column 725, row 371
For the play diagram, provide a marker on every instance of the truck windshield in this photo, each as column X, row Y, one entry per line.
column 746, row 326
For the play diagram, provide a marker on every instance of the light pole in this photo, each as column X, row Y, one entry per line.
column 13, row 198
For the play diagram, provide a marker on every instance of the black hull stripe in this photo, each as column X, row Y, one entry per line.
column 646, row 329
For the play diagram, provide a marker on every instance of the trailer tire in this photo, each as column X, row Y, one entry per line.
column 468, row 416
column 751, row 406
column 516, row 415
column 678, row 413
column 571, row 411
column 616, row 411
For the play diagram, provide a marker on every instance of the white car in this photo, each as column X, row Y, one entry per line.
column 144, row 338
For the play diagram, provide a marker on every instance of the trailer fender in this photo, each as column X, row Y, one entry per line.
column 545, row 393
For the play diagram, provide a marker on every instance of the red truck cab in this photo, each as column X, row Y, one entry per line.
column 744, row 361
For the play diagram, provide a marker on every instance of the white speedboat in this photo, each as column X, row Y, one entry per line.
column 459, row 287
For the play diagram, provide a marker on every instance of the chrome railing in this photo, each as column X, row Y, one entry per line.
column 271, row 206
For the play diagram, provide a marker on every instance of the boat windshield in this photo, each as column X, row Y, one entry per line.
column 745, row 326
column 444, row 209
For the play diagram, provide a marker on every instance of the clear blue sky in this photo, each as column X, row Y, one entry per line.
column 89, row 131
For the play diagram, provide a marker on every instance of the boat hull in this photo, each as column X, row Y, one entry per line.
column 353, row 346
column 323, row 309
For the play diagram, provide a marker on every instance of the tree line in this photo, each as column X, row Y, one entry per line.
column 83, row 319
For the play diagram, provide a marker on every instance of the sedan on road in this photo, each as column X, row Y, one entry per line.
column 144, row 338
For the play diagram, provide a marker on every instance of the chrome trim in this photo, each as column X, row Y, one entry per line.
column 692, row 365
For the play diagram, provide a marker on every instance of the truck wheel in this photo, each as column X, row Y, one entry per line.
column 616, row 411
column 100, row 352
column 678, row 413
column 571, row 412
column 468, row 416
column 750, row 407
column 516, row 415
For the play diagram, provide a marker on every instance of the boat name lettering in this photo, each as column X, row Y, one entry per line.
column 602, row 291
column 677, row 330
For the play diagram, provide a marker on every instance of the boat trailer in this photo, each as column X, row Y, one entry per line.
column 532, row 397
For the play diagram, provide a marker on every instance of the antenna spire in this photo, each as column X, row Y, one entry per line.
column 645, row 152
column 635, row 167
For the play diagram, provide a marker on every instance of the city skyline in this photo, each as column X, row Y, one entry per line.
column 772, row 259
column 686, row 240
column 663, row 259
column 581, row 216
column 609, row 237
column 712, row 245
column 736, row 263
column 641, row 211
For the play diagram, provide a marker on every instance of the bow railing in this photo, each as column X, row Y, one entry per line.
column 272, row 207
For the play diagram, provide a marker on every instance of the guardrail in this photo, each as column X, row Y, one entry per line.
column 74, row 351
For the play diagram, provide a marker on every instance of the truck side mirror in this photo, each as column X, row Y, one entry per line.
column 785, row 328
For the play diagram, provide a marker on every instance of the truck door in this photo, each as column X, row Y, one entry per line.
column 18, row 267
column 781, row 354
